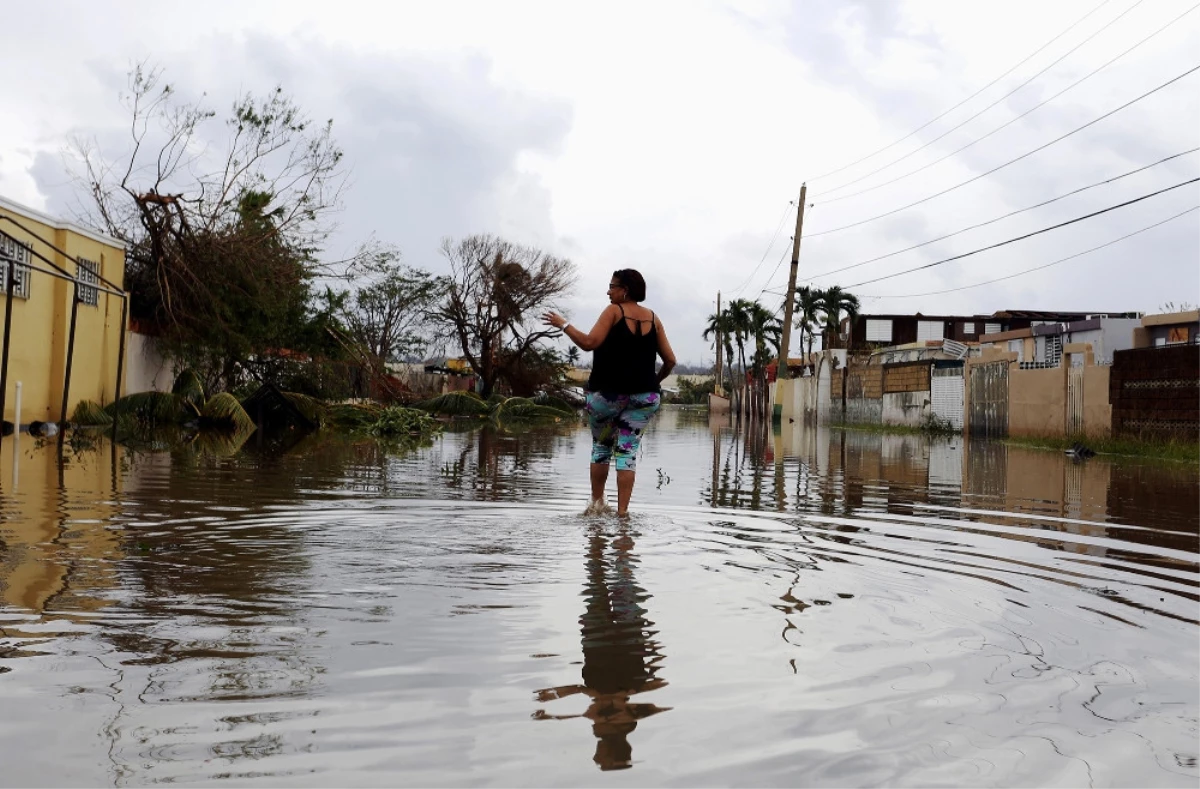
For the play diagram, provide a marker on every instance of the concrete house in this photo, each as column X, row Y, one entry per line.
column 1172, row 328
column 879, row 331
column 1043, row 343
column 48, row 256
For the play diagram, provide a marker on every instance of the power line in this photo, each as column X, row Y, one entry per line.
column 1044, row 265
column 1008, row 123
column 1025, row 60
column 1027, row 235
column 766, row 251
column 773, row 273
column 1025, row 155
column 1005, row 216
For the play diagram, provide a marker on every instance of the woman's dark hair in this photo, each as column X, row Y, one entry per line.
column 633, row 283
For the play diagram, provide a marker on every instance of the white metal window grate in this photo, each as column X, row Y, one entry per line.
column 1054, row 345
column 16, row 254
column 89, row 278
column 991, row 328
column 879, row 330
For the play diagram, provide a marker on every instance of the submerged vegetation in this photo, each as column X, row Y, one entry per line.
column 186, row 416
column 498, row 410
column 931, row 426
column 1177, row 450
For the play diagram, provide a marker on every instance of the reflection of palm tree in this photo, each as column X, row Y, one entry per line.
column 620, row 655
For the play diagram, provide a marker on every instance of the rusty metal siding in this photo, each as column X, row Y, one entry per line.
column 989, row 400
column 1075, row 401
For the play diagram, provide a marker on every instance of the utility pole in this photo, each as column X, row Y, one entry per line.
column 718, row 389
column 786, row 340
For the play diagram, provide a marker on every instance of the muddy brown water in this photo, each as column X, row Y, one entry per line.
column 814, row 607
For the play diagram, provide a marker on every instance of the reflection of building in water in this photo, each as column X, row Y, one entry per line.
column 620, row 656
column 57, row 547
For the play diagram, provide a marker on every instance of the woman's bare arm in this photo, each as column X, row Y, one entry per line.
column 593, row 339
column 664, row 350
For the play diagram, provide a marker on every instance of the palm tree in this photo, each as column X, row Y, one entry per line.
column 573, row 355
column 835, row 301
column 767, row 331
column 720, row 326
column 807, row 313
column 739, row 323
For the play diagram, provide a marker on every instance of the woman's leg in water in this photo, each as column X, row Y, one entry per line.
column 602, row 413
column 599, row 474
column 630, row 423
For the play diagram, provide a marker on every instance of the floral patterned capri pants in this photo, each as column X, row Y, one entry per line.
column 617, row 423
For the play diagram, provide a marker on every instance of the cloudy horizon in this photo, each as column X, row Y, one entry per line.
column 671, row 137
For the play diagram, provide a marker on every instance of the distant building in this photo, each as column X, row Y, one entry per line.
column 1173, row 328
column 868, row 332
column 1043, row 344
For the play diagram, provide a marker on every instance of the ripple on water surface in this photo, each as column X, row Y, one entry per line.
column 813, row 608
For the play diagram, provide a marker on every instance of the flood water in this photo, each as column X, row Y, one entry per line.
column 815, row 607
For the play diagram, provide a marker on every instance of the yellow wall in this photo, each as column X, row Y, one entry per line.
column 1097, row 411
column 41, row 323
column 1037, row 401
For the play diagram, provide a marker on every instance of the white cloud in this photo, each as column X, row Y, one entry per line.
column 670, row 136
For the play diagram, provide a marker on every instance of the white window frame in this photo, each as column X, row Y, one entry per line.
column 931, row 330
column 19, row 254
column 969, row 327
column 991, row 328
column 879, row 330
column 88, row 274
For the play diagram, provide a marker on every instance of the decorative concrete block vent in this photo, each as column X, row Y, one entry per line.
column 906, row 377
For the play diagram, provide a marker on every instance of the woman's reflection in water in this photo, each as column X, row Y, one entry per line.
column 620, row 655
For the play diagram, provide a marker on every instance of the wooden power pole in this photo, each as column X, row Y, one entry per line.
column 786, row 340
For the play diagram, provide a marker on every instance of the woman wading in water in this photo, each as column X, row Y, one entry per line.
column 623, row 391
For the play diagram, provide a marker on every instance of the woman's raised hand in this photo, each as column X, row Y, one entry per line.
column 554, row 319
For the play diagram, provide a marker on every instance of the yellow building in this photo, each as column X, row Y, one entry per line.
column 41, row 315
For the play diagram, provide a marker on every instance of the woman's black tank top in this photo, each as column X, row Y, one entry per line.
column 624, row 362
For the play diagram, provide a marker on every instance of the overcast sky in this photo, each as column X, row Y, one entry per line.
column 671, row 136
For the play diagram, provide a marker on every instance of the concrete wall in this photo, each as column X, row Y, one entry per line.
column 1037, row 401
column 1154, row 391
column 906, row 408
column 40, row 323
column 146, row 370
column 1097, row 411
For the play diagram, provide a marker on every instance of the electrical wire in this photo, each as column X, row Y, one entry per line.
column 766, row 251
column 1005, row 216
column 1000, row 127
column 1025, row 60
column 773, row 273
column 1039, row 268
column 1027, row 235
column 1025, row 155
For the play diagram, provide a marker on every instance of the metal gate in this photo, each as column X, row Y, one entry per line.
column 1074, row 401
column 989, row 400
column 946, row 393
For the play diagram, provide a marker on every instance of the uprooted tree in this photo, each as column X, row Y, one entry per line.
column 494, row 296
column 222, row 226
